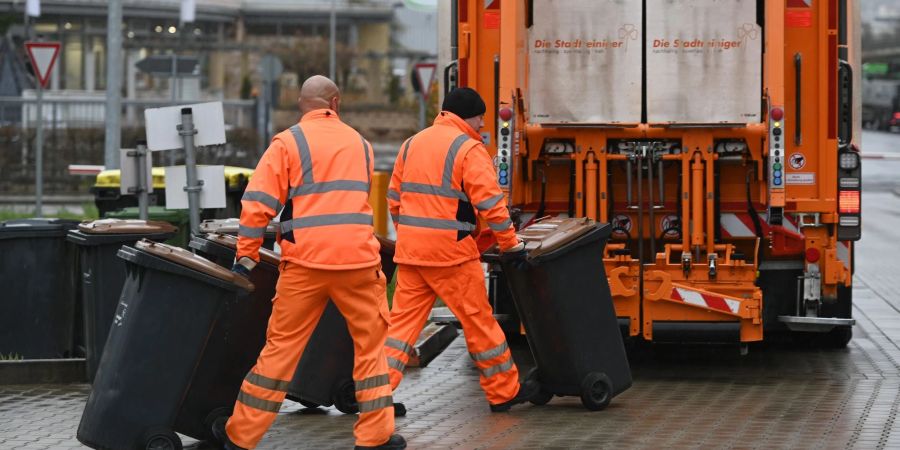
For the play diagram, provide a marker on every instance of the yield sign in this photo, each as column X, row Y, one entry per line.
column 425, row 74
column 42, row 55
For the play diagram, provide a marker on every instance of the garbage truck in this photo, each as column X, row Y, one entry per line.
column 719, row 138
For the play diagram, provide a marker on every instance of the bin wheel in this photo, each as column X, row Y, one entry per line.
column 162, row 440
column 210, row 419
column 309, row 404
column 344, row 398
column 543, row 396
column 596, row 391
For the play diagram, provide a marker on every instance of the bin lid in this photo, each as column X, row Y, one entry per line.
column 550, row 234
column 185, row 258
column 126, row 226
column 229, row 226
column 234, row 177
column 36, row 227
column 227, row 240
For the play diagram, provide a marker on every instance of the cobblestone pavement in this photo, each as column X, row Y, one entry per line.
column 777, row 396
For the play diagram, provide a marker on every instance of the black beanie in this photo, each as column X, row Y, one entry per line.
column 464, row 102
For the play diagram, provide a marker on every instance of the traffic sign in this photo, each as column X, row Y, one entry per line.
column 162, row 65
column 425, row 76
column 42, row 55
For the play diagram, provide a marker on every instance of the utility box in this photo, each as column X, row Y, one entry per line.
column 704, row 61
column 585, row 61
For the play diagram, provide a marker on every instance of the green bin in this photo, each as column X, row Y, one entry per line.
column 177, row 217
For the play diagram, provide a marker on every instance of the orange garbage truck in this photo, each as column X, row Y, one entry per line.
column 718, row 137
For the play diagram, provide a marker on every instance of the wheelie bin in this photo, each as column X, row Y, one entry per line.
column 230, row 227
column 235, row 342
column 562, row 296
column 102, row 274
column 168, row 309
column 37, row 306
column 324, row 374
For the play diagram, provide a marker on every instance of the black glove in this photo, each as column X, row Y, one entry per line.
column 239, row 269
column 517, row 258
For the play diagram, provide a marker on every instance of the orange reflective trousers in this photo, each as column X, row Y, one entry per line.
column 301, row 296
column 462, row 288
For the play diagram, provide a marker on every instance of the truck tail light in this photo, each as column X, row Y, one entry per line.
column 848, row 202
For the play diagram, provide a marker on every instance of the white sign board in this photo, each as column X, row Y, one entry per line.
column 162, row 126
column 585, row 61
column 704, row 61
column 128, row 176
column 211, row 196
column 425, row 74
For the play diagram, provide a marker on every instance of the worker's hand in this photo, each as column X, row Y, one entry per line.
column 243, row 266
column 517, row 256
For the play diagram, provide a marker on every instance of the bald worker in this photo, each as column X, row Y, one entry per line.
column 318, row 175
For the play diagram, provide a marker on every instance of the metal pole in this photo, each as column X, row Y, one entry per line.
column 113, row 85
column 193, row 188
column 174, row 100
column 39, row 154
column 140, row 163
column 331, row 40
column 421, row 112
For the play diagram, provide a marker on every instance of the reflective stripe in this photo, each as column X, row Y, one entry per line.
column 366, row 151
column 251, row 232
column 490, row 203
column 258, row 403
column 305, row 156
column 374, row 405
column 373, row 382
column 266, row 382
column 499, row 368
column 262, row 197
column 490, row 354
column 421, row 188
column 393, row 195
column 500, row 226
column 406, row 150
column 439, row 224
column 400, row 345
column 396, row 364
column 325, row 220
column 329, row 186
column 451, row 158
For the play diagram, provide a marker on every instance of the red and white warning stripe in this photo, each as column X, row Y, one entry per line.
column 843, row 253
column 705, row 300
column 740, row 225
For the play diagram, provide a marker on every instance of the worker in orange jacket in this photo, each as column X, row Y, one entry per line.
column 439, row 175
column 318, row 174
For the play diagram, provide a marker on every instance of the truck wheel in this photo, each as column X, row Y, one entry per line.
column 839, row 337
column 596, row 391
column 344, row 398
column 162, row 440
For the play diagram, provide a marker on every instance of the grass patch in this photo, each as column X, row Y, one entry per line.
column 11, row 357
column 89, row 208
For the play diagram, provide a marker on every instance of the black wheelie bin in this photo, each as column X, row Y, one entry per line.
column 167, row 312
column 562, row 296
column 230, row 227
column 37, row 306
column 324, row 374
column 102, row 273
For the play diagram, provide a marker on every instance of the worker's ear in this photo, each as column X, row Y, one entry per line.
column 335, row 104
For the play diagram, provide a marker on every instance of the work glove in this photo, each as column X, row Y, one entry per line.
column 243, row 266
column 517, row 256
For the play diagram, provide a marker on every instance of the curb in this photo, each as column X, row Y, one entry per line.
column 43, row 371
column 432, row 341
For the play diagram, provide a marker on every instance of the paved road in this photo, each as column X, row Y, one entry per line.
column 683, row 397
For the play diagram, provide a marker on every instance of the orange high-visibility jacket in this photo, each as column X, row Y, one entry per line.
column 319, row 171
column 439, row 174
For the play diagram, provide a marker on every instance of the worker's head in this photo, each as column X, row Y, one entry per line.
column 319, row 92
column 467, row 104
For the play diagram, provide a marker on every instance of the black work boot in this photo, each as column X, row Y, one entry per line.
column 221, row 437
column 528, row 390
column 396, row 442
column 399, row 410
